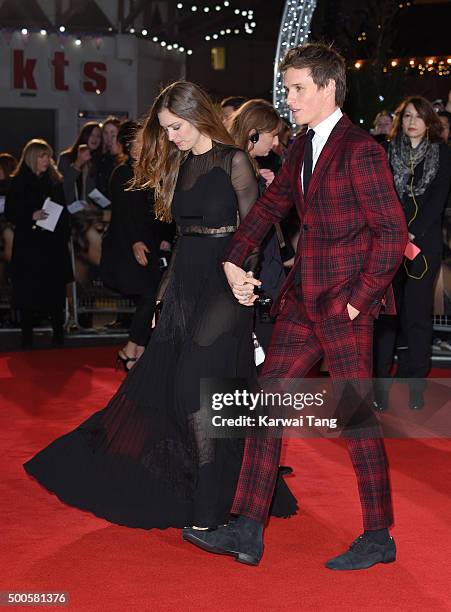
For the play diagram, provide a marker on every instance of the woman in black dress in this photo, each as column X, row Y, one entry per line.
column 421, row 168
column 146, row 460
column 129, row 262
column 40, row 266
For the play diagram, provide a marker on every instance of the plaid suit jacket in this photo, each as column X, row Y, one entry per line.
column 352, row 228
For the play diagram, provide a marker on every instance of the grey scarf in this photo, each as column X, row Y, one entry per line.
column 404, row 159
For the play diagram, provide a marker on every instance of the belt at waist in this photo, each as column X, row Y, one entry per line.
column 209, row 232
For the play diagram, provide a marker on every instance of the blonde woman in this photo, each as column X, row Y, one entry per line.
column 40, row 266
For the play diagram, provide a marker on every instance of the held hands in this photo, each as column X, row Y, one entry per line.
column 40, row 215
column 139, row 251
column 242, row 283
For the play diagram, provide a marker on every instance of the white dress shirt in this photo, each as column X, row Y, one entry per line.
column 322, row 133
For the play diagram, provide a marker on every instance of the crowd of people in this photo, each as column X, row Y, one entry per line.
column 37, row 263
column 126, row 240
column 368, row 248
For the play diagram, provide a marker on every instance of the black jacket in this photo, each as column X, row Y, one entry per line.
column 132, row 220
column 426, row 222
column 40, row 266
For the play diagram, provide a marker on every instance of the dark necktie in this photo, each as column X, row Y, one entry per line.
column 308, row 161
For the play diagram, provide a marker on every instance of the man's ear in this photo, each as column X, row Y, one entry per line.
column 330, row 88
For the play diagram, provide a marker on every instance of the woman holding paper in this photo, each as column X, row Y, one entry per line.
column 40, row 266
column 422, row 173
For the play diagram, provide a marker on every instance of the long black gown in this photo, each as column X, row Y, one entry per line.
column 145, row 460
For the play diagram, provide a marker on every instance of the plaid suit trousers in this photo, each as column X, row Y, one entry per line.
column 296, row 345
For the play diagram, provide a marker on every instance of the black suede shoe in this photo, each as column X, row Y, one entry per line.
column 362, row 554
column 237, row 539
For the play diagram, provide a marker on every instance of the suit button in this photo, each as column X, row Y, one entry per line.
column 306, row 227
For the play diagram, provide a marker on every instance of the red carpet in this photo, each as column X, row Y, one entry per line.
column 50, row 547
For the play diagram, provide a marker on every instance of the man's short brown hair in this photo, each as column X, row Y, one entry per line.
column 325, row 64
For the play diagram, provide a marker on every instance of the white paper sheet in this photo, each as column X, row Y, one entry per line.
column 99, row 198
column 76, row 206
column 2, row 204
column 259, row 353
column 54, row 210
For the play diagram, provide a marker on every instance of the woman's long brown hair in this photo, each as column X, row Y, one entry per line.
column 159, row 162
column 82, row 138
column 256, row 115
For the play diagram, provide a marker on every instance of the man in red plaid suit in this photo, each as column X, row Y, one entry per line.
column 353, row 236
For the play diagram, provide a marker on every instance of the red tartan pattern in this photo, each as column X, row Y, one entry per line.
column 353, row 230
column 352, row 240
column 295, row 348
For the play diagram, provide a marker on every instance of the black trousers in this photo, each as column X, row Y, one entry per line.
column 140, row 327
column 412, row 325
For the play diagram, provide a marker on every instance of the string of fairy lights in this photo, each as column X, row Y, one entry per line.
column 242, row 21
column 294, row 30
column 440, row 66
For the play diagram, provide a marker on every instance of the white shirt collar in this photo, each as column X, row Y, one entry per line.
column 323, row 129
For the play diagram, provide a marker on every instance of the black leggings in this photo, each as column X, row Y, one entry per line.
column 142, row 319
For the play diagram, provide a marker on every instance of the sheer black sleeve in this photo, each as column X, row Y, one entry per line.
column 245, row 185
column 167, row 274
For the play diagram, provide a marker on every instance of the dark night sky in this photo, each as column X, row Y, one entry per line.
column 419, row 30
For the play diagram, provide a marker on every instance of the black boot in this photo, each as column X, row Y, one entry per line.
column 242, row 539
column 364, row 553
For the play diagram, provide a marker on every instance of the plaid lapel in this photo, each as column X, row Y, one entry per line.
column 326, row 156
